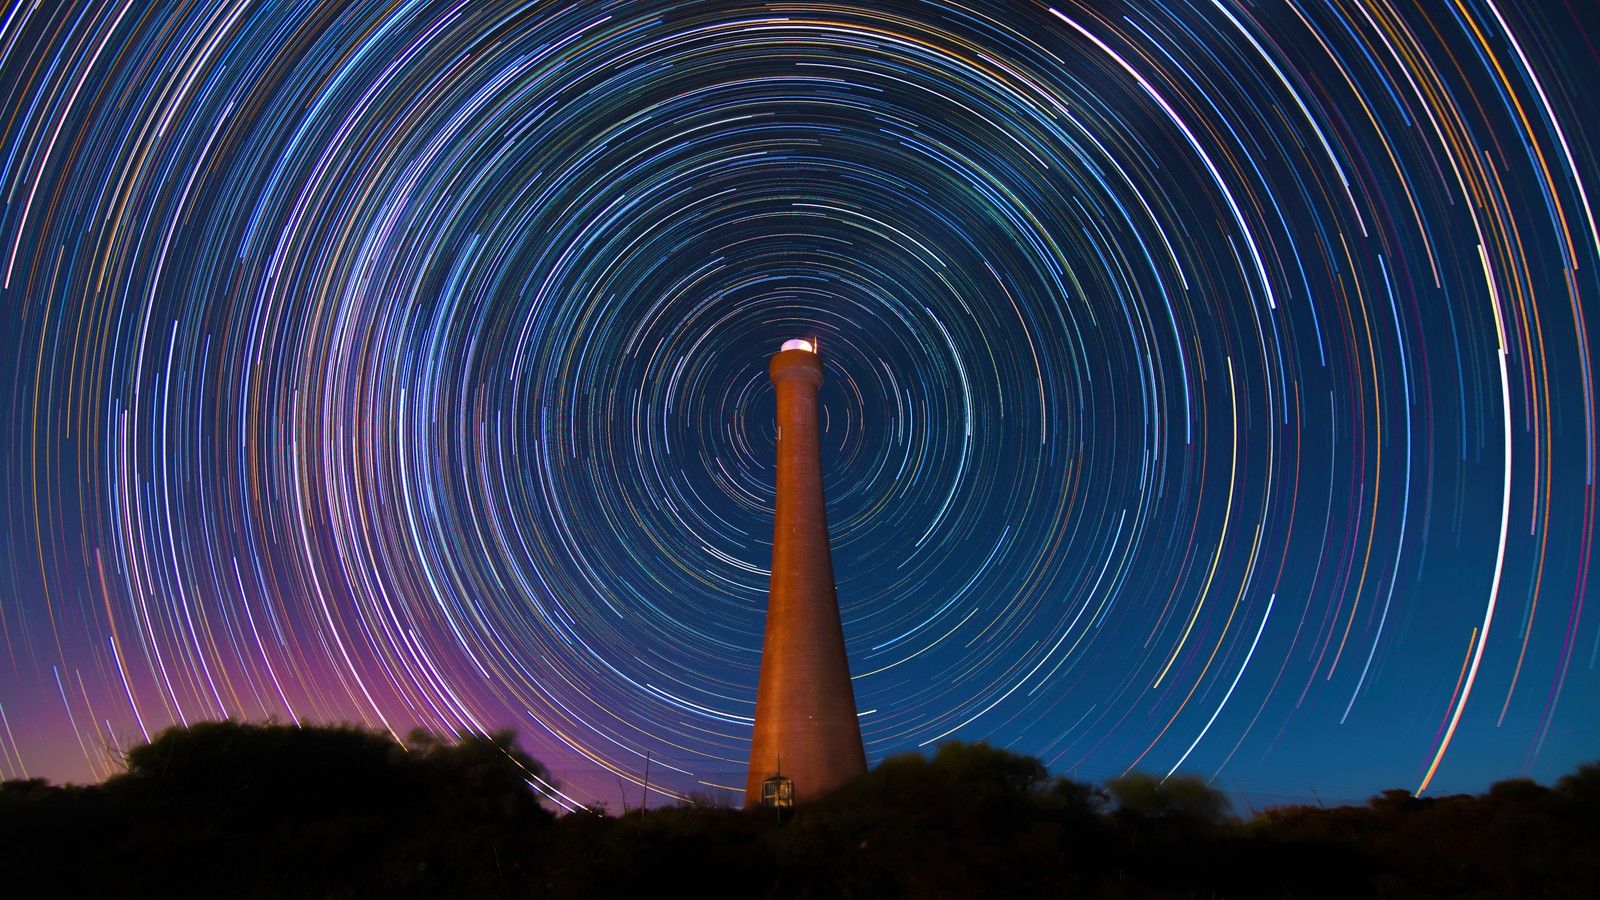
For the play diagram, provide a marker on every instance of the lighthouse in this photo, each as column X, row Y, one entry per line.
column 807, row 738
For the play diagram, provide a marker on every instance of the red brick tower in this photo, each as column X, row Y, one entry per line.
column 805, row 708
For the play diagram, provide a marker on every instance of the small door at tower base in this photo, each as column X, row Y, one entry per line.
column 777, row 792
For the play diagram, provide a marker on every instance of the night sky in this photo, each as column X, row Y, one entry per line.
column 1209, row 387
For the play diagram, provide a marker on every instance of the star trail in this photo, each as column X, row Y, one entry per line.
column 1209, row 383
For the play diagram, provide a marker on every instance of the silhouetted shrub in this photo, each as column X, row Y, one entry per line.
column 1183, row 798
column 1396, row 800
column 1582, row 785
column 252, row 777
column 234, row 809
column 226, row 809
column 479, row 776
column 971, row 821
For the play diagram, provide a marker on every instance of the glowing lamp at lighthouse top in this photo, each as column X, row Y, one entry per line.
column 799, row 344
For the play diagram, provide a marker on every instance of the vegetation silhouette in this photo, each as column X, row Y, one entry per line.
column 1184, row 799
column 234, row 809
column 228, row 809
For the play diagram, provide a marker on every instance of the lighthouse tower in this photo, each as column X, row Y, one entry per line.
column 806, row 728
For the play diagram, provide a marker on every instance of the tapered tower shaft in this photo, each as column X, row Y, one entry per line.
column 805, row 708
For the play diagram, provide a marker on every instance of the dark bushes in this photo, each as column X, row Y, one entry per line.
column 231, row 810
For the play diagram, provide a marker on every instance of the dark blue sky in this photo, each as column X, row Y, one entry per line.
column 1209, row 385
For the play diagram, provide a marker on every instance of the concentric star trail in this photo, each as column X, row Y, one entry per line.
column 1209, row 383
